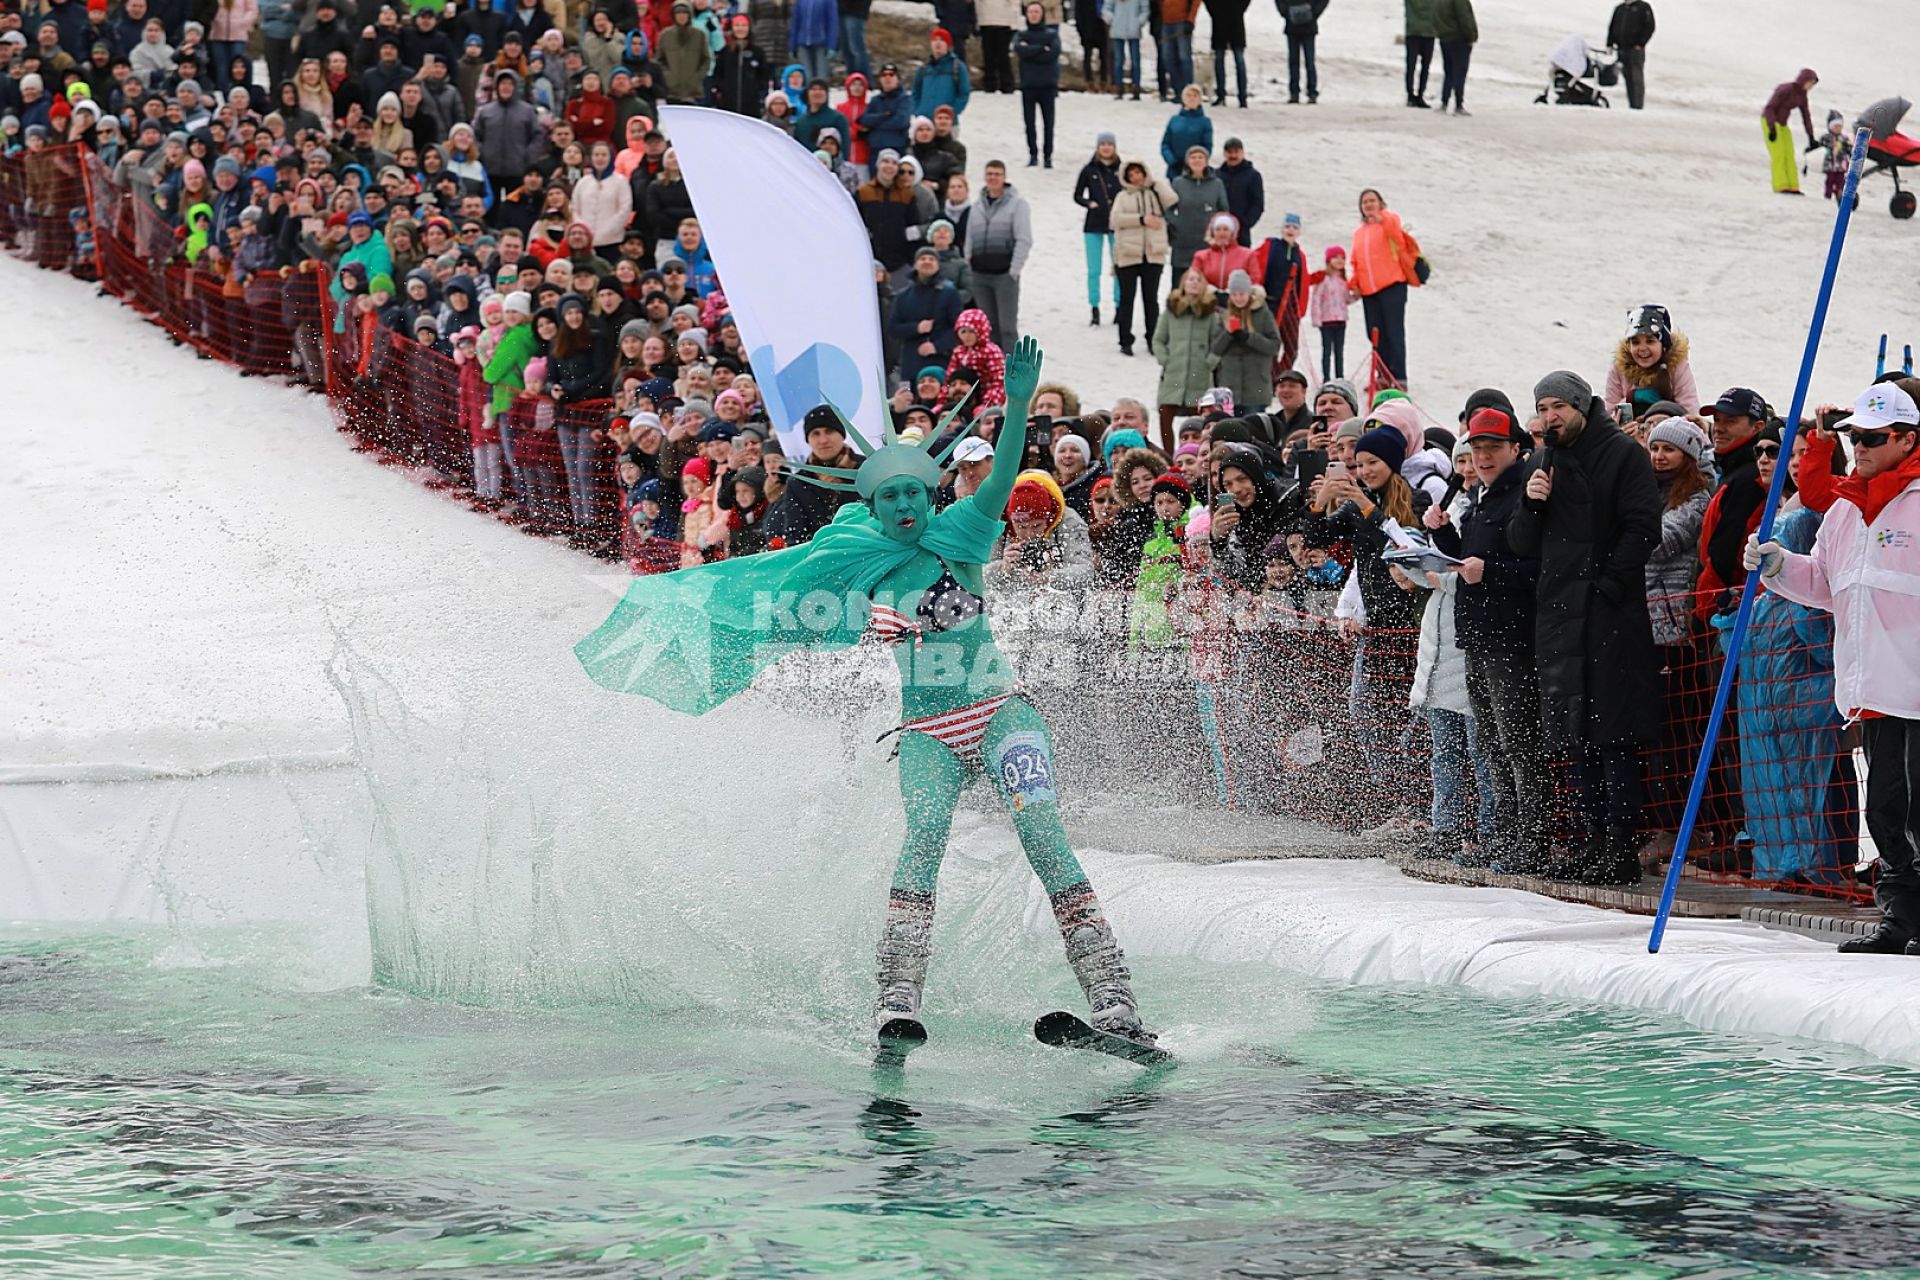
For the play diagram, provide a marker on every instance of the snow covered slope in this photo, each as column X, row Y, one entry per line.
column 1544, row 224
column 182, row 543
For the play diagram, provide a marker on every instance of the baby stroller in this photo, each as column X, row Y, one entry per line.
column 1889, row 151
column 1578, row 72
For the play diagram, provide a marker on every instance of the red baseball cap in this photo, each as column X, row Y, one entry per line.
column 1489, row 423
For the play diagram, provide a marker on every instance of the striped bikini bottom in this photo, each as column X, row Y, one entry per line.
column 961, row 729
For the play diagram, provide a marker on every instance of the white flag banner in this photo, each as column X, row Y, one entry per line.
column 795, row 263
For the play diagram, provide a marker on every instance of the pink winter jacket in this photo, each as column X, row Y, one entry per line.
column 1867, row 574
column 604, row 204
column 1425, row 468
column 1331, row 301
column 234, row 22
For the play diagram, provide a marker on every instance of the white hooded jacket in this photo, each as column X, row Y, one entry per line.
column 1868, row 577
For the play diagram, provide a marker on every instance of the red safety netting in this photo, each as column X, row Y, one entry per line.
column 553, row 469
column 1303, row 717
column 1315, row 724
column 1379, row 377
column 1782, row 801
column 44, row 212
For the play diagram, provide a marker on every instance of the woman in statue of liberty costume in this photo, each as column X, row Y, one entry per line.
column 692, row 639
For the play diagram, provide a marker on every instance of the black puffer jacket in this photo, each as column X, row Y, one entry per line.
column 806, row 508
column 1079, row 494
column 1599, row 682
column 1098, row 184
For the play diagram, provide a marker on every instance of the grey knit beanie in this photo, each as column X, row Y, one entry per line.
column 1344, row 389
column 1682, row 435
column 1563, row 384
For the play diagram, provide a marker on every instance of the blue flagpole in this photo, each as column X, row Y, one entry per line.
column 1741, row 620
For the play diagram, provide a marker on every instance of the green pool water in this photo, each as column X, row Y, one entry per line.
column 179, row 1117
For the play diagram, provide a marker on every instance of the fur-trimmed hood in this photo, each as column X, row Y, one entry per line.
column 1636, row 376
column 1178, row 303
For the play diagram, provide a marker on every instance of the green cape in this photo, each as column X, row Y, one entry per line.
column 693, row 638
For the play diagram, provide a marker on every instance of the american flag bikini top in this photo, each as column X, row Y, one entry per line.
column 944, row 606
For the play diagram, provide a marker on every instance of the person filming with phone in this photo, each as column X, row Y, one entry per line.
column 1865, row 569
column 1362, row 510
column 1248, row 513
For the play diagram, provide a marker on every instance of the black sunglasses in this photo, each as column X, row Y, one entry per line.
column 1766, row 451
column 1874, row 439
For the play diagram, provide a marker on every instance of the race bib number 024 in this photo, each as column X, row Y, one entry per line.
column 1025, row 768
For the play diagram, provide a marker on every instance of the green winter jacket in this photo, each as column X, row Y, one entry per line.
column 1453, row 21
column 1152, row 626
column 1180, row 345
column 371, row 253
column 1420, row 20
column 506, row 372
column 199, row 220
column 688, row 57
column 1243, row 360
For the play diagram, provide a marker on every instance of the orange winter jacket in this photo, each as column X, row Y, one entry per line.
column 1179, row 10
column 1375, row 262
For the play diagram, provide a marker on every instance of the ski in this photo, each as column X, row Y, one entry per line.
column 1064, row 1030
column 902, row 1036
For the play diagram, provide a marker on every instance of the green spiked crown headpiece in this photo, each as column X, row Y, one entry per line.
column 893, row 457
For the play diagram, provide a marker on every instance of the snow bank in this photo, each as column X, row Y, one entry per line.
column 1364, row 922
column 185, row 547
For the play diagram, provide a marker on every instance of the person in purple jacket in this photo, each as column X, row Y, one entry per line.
column 1775, row 119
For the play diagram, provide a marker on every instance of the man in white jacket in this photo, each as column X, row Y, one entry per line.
column 1865, row 570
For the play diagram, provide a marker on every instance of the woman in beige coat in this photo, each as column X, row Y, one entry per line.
column 1140, row 246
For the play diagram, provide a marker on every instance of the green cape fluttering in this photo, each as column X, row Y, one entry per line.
column 693, row 638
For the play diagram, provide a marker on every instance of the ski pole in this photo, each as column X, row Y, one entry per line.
column 1774, row 490
column 1906, row 359
column 1880, row 364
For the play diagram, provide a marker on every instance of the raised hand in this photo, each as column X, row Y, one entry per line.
column 1023, row 371
column 1022, row 379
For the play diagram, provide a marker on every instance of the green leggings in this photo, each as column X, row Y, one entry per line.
column 1018, row 755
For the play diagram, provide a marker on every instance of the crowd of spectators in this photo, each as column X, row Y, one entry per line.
column 1521, row 588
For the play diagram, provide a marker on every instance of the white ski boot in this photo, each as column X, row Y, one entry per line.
column 1099, row 965
column 906, row 946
